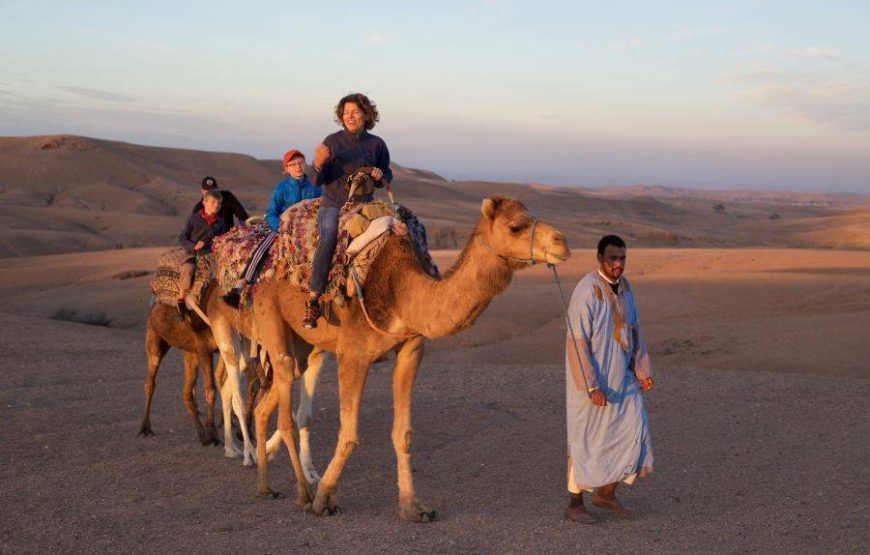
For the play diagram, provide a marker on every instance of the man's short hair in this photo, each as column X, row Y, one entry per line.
column 209, row 183
column 614, row 240
column 214, row 194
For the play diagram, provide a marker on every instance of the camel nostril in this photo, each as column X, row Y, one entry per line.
column 558, row 238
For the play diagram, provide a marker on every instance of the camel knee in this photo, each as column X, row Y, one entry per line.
column 348, row 445
column 402, row 441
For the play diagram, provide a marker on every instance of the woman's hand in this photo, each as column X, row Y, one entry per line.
column 322, row 154
column 646, row 384
column 377, row 174
column 198, row 246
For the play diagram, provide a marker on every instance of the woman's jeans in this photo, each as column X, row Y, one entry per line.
column 327, row 223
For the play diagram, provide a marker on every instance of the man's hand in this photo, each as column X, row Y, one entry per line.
column 321, row 155
column 199, row 245
column 598, row 398
column 646, row 383
column 377, row 174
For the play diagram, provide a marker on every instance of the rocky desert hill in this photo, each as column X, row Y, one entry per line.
column 65, row 193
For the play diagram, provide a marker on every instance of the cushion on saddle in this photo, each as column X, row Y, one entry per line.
column 164, row 285
column 292, row 254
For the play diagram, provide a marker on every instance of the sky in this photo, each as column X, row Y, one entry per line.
column 743, row 94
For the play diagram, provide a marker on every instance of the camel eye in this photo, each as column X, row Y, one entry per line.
column 516, row 228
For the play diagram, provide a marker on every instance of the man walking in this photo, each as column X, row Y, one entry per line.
column 607, row 366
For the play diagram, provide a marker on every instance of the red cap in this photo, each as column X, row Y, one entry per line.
column 291, row 154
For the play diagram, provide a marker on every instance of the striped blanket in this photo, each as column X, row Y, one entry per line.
column 292, row 254
column 164, row 285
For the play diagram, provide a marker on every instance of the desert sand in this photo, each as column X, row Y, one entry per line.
column 758, row 421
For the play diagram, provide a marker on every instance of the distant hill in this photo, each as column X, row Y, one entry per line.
column 64, row 193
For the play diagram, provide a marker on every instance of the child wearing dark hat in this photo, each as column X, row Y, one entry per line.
column 230, row 205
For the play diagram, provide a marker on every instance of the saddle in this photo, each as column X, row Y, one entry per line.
column 164, row 285
column 292, row 254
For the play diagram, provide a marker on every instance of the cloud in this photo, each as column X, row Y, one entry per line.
column 376, row 39
column 806, row 52
column 99, row 94
column 842, row 103
column 634, row 43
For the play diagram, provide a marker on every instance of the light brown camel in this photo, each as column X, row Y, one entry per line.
column 408, row 306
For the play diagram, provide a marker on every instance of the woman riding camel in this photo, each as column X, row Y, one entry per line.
column 339, row 156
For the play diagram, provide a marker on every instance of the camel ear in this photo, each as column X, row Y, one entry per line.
column 488, row 208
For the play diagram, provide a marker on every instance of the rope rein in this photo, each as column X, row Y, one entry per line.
column 570, row 327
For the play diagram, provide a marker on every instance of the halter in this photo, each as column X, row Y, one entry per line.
column 530, row 261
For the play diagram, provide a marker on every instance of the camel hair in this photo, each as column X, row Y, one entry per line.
column 234, row 331
column 407, row 306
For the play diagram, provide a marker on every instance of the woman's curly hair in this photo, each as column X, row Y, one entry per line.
column 369, row 108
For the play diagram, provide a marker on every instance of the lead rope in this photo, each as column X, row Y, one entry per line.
column 570, row 327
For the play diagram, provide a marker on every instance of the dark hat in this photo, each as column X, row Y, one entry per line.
column 209, row 183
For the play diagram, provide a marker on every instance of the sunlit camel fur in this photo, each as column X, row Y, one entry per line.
column 409, row 306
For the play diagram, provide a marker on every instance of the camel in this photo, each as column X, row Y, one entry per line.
column 195, row 340
column 233, row 332
column 405, row 306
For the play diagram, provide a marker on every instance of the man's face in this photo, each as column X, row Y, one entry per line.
column 353, row 118
column 211, row 205
column 612, row 262
column 295, row 167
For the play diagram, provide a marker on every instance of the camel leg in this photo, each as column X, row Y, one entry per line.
column 228, row 344
column 250, row 455
column 262, row 414
column 303, row 414
column 188, row 396
column 155, row 350
column 352, row 376
column 253, row 382
column 206, row 366
column 404, row 374
column 275, row 335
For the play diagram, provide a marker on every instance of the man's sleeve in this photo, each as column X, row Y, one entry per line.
column 580, row 314
column 184, row 238
column 640, row 361
column 236, row 206
column 197, row 207
column 322, row 177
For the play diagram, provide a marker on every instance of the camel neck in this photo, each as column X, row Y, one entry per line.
column 438, row 308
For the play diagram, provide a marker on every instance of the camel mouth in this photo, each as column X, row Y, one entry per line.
column 553, row 258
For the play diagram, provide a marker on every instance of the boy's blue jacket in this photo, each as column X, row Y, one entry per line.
column 288, row 192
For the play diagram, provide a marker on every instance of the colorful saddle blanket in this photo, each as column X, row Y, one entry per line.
column 292, row 253
column 164, row 285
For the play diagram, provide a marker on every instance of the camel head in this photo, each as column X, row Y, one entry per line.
column 508, row 230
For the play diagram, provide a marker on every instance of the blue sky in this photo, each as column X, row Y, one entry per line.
column 756, row 94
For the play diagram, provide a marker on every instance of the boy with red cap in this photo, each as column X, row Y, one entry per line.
column 292, row 189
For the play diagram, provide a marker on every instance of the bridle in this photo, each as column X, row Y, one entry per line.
column 530, row 261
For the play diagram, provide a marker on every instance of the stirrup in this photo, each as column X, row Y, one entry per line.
column 312, row 313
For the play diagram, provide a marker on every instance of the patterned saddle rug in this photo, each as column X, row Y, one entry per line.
column 164, row 285
column 292, row 253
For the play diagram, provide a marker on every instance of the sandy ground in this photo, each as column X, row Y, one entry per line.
column 757, row 420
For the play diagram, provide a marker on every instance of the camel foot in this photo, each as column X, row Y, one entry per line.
column 323, row 506
column 416, row 511
column 579, row 515
column 145, row 430
column 312, row 477
column 269, row 493
column 304, row 497
column 232, row 452
column 614, row 506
